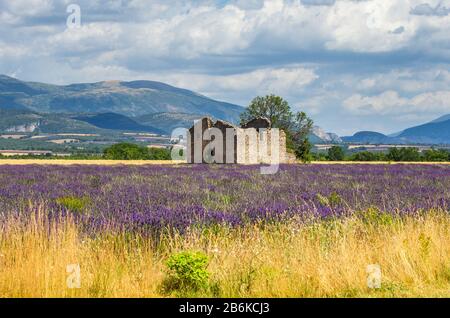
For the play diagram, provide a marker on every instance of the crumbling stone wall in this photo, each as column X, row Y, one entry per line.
column 227, row 129
column 257, row 123
column 251, row 143
column 195, row 142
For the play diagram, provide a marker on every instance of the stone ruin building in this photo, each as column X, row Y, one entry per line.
column 252, row 143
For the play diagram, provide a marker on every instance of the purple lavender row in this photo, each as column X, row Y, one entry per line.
column 149, row 198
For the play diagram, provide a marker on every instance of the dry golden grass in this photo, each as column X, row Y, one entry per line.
column 323, row 259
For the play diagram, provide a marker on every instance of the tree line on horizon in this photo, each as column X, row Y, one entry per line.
column 128, row 151
column 404, row 154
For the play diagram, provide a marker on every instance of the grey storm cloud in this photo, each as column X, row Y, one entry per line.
column 427, row 10
column 318, row 2
column 398, row 30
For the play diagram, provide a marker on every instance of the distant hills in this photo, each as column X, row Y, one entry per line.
column 167, row 122
column 434, row 132
column 441, row 119
column 136, row 99
column 115, row 121
column 370, row 137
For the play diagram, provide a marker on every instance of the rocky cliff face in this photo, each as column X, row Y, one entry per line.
column 319, row 135
column 27, row 128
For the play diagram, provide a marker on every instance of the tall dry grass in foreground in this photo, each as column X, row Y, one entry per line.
column 322, row 259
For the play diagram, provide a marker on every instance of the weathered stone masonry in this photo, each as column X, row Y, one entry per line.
column 250, row 144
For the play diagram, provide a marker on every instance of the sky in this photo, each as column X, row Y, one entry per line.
column 352, row 65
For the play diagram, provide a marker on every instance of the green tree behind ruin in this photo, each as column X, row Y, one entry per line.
column 297, row 126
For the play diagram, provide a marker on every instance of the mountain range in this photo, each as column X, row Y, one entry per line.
column 105, row 104
column 434, row 132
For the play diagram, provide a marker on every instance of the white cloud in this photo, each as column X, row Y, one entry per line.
column 369, row 26
column 390, row 102
column 28, row 7
column 92, row 36
column 279, row 81
column 7, row 51
column 405, row 80
column 204, row 30
column 240, row 87
column 190, row 30
column 8, row 18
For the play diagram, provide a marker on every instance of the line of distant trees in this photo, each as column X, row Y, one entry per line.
column 120, row 151
column 51, row 156
column 129, row 151
column 407, row 154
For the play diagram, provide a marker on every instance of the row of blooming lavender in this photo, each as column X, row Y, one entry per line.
column 155, row 197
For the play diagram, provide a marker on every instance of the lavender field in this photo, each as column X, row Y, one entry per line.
column 148, row 198
column 307, row 231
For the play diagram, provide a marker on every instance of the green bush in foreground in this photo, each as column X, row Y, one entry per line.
column 187, row 271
